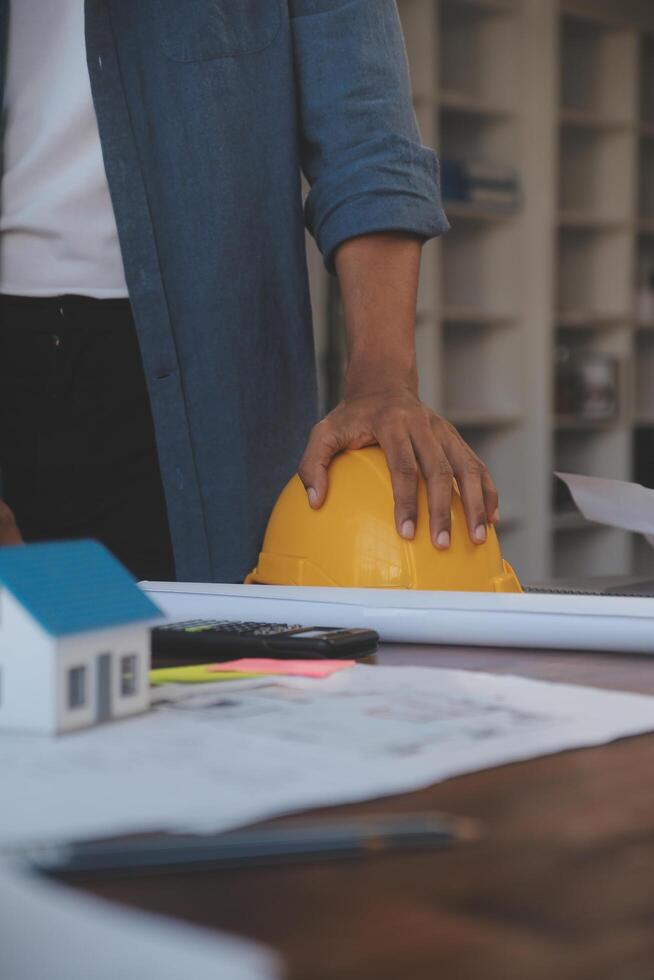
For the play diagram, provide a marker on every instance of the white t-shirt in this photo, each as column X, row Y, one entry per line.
column 57, row 226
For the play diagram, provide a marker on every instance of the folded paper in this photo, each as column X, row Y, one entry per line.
column 628, row 506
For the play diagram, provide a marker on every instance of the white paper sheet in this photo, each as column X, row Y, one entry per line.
column 221, row 758
column 51, row 932
column 629, row 506
column 407, row 616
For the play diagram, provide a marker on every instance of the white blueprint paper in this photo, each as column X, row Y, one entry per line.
column 51, row 932
column 570, row 622
column 617, row 503
column 219, row 758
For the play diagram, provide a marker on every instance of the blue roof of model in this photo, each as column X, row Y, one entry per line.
column 73, row 586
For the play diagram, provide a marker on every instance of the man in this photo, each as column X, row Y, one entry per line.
column 157, row 380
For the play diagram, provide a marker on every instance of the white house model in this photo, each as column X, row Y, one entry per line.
column 74, row 637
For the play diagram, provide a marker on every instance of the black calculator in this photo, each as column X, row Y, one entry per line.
column 201, row 641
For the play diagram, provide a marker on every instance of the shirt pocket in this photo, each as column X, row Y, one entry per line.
column 201, row 30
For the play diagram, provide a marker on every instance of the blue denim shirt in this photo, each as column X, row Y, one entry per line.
column 208, row 110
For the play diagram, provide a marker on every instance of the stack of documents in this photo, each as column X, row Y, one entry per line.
column 214, row 757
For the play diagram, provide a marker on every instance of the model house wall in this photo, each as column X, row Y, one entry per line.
column 112, row 678
column 27, row 669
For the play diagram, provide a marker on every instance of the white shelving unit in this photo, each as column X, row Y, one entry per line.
column 602, row 156
column 468, row 78
column 562, row 91
column 470, row 81
column 643, row 344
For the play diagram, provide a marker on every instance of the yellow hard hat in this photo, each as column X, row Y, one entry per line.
column 351, row 541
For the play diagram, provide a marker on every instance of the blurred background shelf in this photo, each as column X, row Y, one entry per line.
column 547, row 109
column 579, row 222
column 470, row 212
column 572, row 423
column 485, row 6
column 480, row 420
column 451, row 101
column 572, row 521
column 472, row 316
column 583, row 119
column 591, row 320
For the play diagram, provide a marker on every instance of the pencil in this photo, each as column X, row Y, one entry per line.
column 318, row 839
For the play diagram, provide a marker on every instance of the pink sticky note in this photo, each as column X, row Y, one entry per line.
column 291, row 668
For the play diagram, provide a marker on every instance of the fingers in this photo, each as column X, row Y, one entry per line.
column 403, row 468
column 9, row 532
column 478, row 493
column 324, row 443
column 438, row 477
column 491, row 497
column 414, row 440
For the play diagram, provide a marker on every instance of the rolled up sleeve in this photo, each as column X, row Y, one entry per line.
column 360, row 144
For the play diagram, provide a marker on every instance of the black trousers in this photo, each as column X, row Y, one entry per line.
column 77, row 448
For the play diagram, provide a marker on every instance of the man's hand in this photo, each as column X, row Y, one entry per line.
column 378, row 276
column 9, row 533
column 413, row 438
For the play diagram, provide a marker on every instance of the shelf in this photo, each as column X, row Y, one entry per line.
column 510, row 522
column 579, row 222
column 589, row 194
column 480, row 420
column 473, row 316
column 480, row 386
column 426, row 318
column 646, row 183
column 476, row 66
column 588, row 17
column 572, row 521
column 594, row 272
column 450, row 101
column 483, row 6
column 476, row 213
column 566, row 100
column 478, row 263
column 571, row 423
column 597, row 71
column 583, row 119
column 642, row 379
column 647, row 82
column 588, row 320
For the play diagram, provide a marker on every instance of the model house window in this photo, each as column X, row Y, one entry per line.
column 128, row 674
column 76, row 687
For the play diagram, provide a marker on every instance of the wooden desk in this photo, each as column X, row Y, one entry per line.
column 560, row 888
